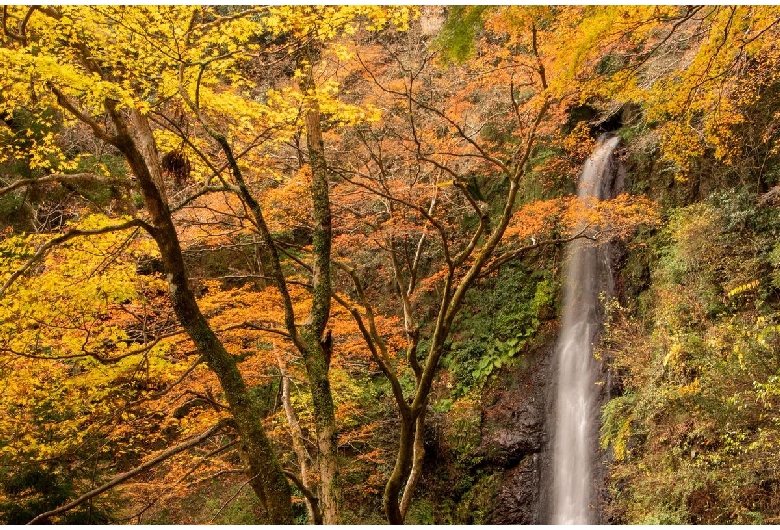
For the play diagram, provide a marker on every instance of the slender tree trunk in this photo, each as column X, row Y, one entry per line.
column 417, row 463
column 325, row 421
column 296, row 433
column 317, row 342
column 266, row 476
column 310, row 337
column 403, row 463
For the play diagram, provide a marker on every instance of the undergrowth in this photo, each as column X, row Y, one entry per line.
column 694, row 434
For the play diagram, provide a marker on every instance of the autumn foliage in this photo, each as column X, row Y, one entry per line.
column 248, row 232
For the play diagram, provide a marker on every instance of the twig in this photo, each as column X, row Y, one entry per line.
column 233, row 497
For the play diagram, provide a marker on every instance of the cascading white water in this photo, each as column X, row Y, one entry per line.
column 576, row 420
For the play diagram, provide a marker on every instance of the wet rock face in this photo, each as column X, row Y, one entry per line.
column 518, row 496
column 513, row 437
column 519, row 435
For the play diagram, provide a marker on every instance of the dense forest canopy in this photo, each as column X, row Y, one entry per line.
column 258, row 255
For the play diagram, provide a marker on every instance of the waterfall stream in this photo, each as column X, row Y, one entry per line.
column 576, row 417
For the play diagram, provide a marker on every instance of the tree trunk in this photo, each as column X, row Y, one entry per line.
column 417, row 464
column 314, row 513
column 309, row 338
column 325, row 422
column 403, row 462
column 318, row 348
column 266, row 476
column 144, row 142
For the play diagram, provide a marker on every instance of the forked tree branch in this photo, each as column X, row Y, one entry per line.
column 68, row 105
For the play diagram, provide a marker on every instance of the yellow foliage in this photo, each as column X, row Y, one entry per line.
column 743, row 288
column 672, row 358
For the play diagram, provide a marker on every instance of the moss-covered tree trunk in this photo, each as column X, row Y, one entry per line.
column 317, row 343
column 310, row 337
column 265, row 473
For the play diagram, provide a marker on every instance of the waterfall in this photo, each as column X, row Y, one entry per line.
column 574, row 494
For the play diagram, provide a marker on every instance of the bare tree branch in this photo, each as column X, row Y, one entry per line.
column 137, row 516
column 43, row 249
column 62, row 179
column 510, row 255
column 119, row 479
column 257, row 327
column 314, row 501
column 66, row 103
column 99, row 358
